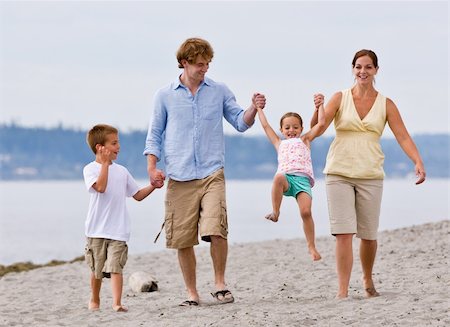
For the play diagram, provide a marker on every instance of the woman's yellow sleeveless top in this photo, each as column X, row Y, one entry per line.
column 356, row 151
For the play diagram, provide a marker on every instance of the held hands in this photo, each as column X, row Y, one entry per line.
column 259, row 100
column 157, row 178
column 319, row 100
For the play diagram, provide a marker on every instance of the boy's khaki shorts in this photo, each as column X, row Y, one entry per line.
column 354, row 205
column 194, row 207
column 105, row 256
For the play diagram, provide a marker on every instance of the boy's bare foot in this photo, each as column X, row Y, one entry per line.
column 273, row 216
column 93, row 306
column 315, row 255
column 119, row 308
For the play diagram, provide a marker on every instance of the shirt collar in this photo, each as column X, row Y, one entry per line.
column 177, row 83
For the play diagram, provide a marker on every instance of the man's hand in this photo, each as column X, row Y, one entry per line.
column 157, row 178
column 259, row 100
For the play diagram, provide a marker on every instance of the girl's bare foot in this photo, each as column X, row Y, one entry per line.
column 315, row 255
column 273, row 216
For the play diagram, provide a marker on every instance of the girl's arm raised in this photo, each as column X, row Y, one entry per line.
column 271, row 135
column 317, row 128
column 329, row 111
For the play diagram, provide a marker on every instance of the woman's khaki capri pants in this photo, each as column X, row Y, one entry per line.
column 354, row 205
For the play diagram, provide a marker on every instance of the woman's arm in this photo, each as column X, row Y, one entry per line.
column 329, row 111
column 314, row 131
column 403, row 138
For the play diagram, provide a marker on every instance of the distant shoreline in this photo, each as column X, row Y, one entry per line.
column 61, row 153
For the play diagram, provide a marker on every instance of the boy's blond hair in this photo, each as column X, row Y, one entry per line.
column 192, row 48
column 97, row 135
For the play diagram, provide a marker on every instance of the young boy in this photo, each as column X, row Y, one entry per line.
column 107, row 224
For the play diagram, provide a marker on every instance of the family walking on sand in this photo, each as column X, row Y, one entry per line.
column 186, row 131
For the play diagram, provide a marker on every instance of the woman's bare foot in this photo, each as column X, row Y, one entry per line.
column 119, row 308
column 341, row 297
column 273, row 216
column 342, row 293
column 315, row 255
column 369, row 288
column 93, row 306
column 371, row 292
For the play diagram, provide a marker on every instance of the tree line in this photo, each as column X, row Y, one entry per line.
column 61, row 153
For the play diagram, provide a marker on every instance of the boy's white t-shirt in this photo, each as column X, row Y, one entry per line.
column 107, row 215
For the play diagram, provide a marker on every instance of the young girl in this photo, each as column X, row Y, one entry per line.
column 294, row 176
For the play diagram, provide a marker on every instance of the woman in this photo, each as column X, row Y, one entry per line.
column 354, row 166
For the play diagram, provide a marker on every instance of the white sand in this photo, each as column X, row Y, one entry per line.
column 275, row 283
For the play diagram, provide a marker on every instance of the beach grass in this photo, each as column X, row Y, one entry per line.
column 25, row 266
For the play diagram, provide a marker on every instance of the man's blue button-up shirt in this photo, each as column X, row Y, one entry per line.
column 191, row 128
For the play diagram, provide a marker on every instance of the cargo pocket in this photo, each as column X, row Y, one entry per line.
column 223, row 216
column 124, row 257
column 89, row 257
column 168, row 224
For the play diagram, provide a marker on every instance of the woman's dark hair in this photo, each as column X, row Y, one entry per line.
column 364, row 52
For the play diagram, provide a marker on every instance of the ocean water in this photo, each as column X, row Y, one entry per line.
column 44, row 220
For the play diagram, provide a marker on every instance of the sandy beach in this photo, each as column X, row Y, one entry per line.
column 275, row 283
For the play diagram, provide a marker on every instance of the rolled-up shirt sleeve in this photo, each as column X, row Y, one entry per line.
column 233, row 113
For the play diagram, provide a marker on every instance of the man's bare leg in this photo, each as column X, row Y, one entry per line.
column 219, row 253
column 187, row 261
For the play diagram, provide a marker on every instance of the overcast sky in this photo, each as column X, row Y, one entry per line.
column 82, row 63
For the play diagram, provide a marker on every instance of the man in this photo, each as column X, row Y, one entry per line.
column 189, row 113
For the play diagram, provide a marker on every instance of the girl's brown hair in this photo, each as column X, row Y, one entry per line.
column 291, row 114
